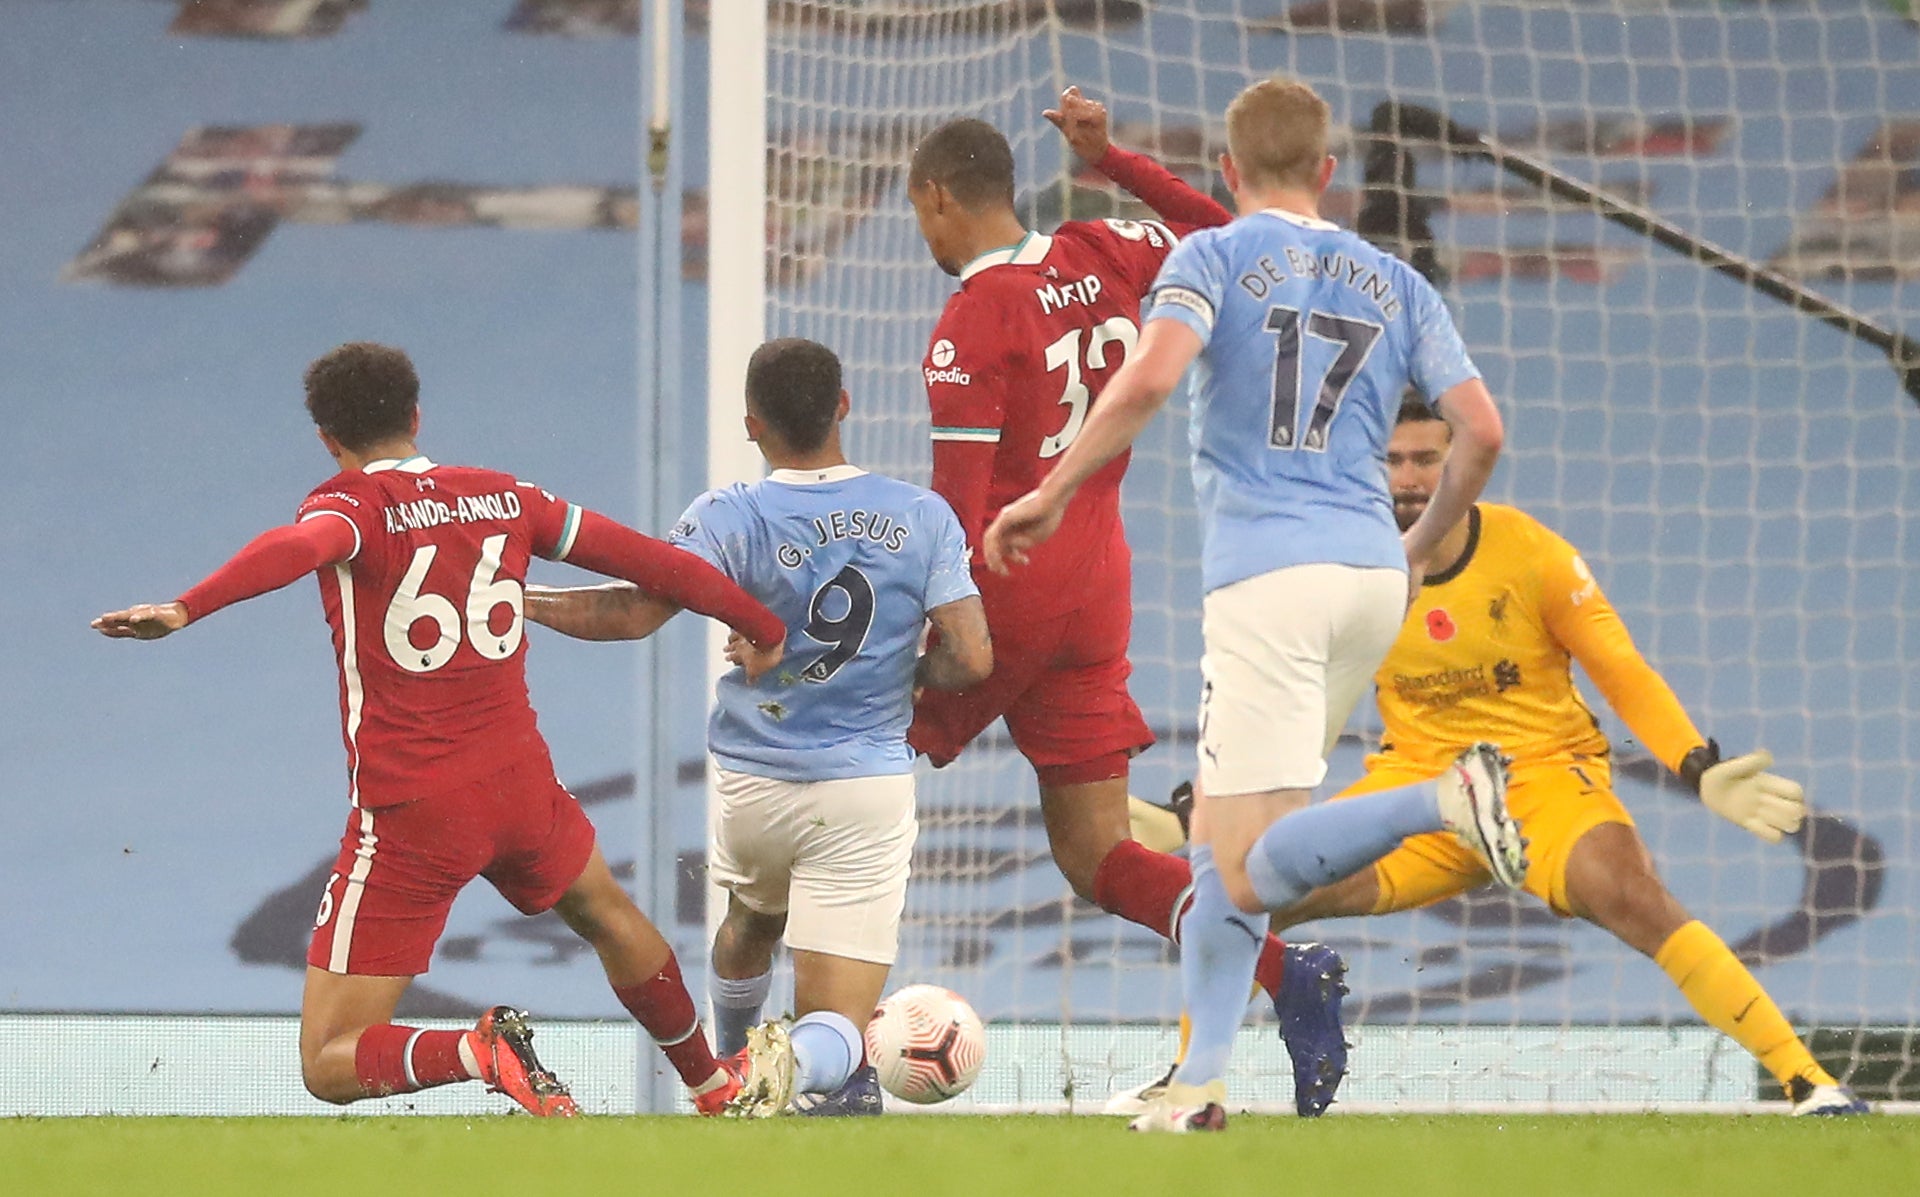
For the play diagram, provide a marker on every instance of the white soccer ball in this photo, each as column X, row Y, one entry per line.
column 926, row 1043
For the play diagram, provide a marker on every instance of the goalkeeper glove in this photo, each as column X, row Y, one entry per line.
column 1741, row 791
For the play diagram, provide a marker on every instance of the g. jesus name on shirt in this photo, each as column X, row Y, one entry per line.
column 855, row 524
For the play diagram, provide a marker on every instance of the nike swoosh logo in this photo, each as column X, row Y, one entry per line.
column 1744, row 1010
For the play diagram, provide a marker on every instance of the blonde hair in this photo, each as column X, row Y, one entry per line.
column 1277, row 133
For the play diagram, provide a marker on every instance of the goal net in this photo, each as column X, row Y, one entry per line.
column 1739, row 477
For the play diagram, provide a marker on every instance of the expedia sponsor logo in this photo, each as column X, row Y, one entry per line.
column 942, row 368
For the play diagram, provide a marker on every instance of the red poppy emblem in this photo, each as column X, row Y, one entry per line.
column 1439, row 624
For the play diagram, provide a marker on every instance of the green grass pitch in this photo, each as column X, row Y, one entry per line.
column 1350, row 1156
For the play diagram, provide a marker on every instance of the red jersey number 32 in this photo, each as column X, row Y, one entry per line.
column 1065, row 354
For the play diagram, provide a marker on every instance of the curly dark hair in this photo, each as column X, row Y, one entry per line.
column 362, row 393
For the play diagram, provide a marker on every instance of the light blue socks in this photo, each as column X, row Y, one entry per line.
column 1219, row 945
column 736, row 1006
column 826, row 1049
column 1318, row 845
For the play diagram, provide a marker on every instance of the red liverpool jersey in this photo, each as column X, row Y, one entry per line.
column 427, row 621
column 1019, row 356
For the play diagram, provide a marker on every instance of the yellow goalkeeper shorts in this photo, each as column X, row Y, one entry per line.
column 1555, row 803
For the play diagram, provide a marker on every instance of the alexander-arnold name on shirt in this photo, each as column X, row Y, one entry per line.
column 421, row 514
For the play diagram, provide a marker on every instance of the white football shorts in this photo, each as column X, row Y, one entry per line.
column 1288, row 654
column 831, row 855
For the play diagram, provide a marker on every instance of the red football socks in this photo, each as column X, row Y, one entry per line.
column 662, row 1005
column 1143, row 886
column 1272, row 963
column 1150, row 888
column 393, row 1059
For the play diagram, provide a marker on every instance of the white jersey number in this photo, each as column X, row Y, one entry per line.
column 1065, row 353
column 410, row 605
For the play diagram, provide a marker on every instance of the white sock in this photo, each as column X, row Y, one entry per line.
column 469, row 1059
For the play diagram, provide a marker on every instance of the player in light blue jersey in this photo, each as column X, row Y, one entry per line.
column 814, row 778
column 1305, row 336
column 1310, row 337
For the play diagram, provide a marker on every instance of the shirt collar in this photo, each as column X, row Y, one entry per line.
column 417, row 464
column 1030, row 250
column 1300, row 218
column 838, row 473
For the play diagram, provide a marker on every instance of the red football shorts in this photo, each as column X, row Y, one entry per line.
column 400, row 867
column 1061, row 685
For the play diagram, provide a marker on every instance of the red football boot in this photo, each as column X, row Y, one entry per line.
column 714, row 1102
column 503, row 1043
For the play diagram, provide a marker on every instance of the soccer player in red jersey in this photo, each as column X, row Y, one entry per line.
column 421, row 570
column 1038, row 326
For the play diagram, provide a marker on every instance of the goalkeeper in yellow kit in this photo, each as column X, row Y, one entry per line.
column 1485, row 654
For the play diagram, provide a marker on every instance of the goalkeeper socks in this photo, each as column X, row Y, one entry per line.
column 1318, row 845
column 1724, row 993
column 661, row 1004
column 736, row 1006
column 1218, row 946
column 1154, row 890
column 391, row 1059
column 826, row 1049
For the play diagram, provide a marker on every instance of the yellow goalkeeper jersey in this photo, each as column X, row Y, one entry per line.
column 1486, row 654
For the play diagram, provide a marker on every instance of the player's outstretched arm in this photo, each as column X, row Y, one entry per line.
column 614, row 611
column 148, row 621
column 1137, row 391
column 960, row 653
column 1744, row 793
column 275, row 558
column 678, row 577
column 1741, row 790
column 1085, row 125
